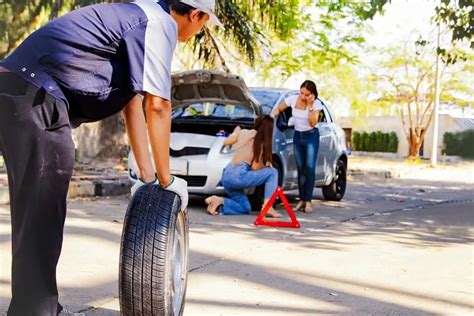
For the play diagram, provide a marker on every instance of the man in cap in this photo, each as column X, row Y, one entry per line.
column 83, row 67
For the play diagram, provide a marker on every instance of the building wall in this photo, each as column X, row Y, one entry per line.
column 389, row 124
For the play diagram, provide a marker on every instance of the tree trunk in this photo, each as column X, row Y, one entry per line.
column 415, row 144
column 112, row 138
column 101, row 140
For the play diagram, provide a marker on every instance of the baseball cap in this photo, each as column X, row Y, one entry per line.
column 207, row 6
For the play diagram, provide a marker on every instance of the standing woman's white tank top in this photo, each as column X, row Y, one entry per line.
column 301, row 117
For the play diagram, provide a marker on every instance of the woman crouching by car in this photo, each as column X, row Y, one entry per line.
column 250, row 167
column 305, row 112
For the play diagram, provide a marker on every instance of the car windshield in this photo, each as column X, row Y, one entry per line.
column 213, row 110
column 266, row 98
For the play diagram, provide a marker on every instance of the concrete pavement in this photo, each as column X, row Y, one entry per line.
column 392, row 246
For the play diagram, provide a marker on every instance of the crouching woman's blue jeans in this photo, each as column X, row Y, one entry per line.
column 240, row 176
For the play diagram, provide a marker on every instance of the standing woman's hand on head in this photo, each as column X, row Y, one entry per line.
column 310, row 101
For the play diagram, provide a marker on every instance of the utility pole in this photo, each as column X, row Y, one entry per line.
column 434, row 150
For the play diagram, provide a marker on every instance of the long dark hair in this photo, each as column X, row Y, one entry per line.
column 262, row 144
column 311, row 86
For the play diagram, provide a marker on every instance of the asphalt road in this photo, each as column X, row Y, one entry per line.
column 391, row 247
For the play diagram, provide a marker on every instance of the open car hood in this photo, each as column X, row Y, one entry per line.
column 212, row 86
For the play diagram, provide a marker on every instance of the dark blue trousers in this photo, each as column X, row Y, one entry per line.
column 39, row 153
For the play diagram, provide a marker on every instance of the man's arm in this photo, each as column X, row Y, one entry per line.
column 158, row 113
column 137, row 135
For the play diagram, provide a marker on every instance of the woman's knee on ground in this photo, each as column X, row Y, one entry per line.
column 246, row 207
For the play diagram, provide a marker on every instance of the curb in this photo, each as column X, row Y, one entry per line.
column 85, row 188
column 381, row 174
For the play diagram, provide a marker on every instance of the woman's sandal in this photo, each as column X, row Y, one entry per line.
column 300, row 206
column 273, row 213
column 308, row 208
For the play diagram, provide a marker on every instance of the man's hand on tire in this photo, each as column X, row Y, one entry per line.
column 176, row 185
column 180, row 187
column 140, row 183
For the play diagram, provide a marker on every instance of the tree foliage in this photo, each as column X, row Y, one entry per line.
column 458, row 16
column 261, row 28
column 406, row 77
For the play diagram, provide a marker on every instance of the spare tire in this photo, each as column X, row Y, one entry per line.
column 153, row 254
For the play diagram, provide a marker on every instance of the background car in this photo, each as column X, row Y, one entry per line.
column 208, row 105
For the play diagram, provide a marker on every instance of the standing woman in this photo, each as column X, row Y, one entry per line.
column 305, row 109
column 250, row 167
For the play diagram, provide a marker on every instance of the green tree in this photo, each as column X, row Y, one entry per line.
column 458, row 16
column 406, row 78
column 251, row 29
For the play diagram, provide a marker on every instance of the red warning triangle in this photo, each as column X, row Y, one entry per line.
column 259, row 221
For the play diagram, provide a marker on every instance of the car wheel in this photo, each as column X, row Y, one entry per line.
column 153, row 254
column 256, row 199
column 336, row 190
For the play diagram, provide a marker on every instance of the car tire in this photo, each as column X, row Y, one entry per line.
column 257, row 198
column 153, row 254
column 336, row 190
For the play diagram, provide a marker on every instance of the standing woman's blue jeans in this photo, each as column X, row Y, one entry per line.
column 240, row 176
column 306, row 146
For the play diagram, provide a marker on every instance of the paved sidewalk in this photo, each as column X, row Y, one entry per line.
column 106, row 178
column 462, row 171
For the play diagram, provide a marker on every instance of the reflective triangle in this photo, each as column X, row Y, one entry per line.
column 260, row 220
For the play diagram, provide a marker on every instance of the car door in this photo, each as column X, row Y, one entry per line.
column 326, row 148
column 291, row 174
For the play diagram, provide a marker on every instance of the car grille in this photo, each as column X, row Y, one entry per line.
column 195, row 181
column 189, row 151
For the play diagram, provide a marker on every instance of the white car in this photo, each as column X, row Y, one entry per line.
column 208, row 105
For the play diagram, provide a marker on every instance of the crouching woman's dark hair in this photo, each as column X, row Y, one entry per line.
column 262, row 144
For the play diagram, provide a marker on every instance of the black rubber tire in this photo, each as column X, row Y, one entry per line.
column 256, row 199
column 146, row 277
column 336, row 190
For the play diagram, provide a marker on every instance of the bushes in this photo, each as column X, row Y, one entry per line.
column 459, row 144
column 375, row 142
column 392, row 141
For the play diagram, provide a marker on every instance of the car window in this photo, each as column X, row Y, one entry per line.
column 266, row 98
column 328, row 114
column 325, row 115
column 322, row 116
column 213, row 110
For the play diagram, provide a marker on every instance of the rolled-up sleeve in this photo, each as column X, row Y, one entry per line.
column 149, row 49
